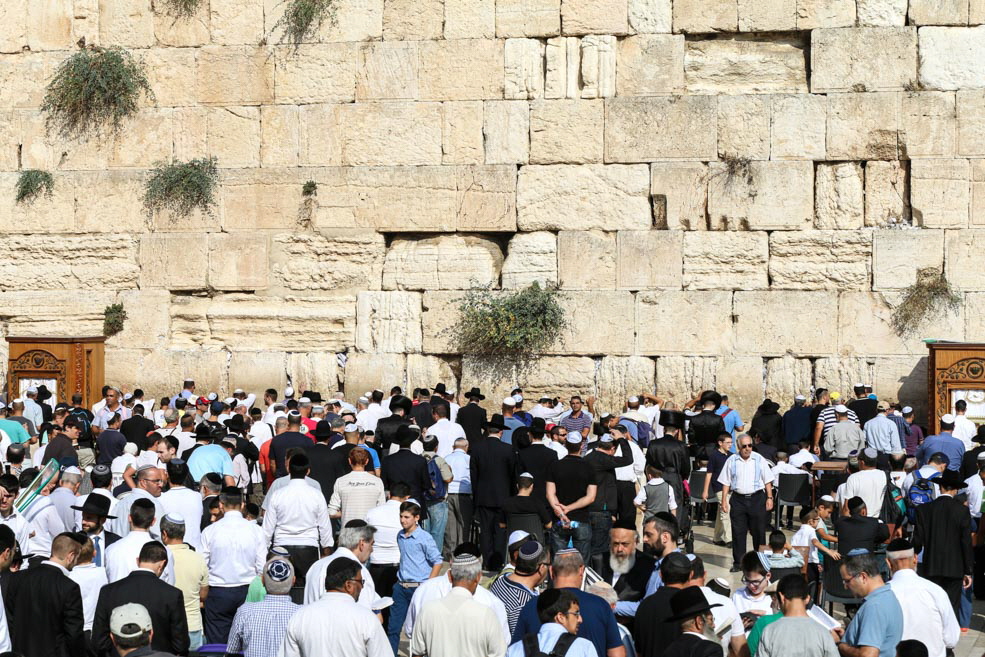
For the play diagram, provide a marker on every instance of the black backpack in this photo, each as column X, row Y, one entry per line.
column 531, row 648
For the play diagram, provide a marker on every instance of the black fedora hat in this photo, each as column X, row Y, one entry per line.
column 235, row 423
column 474, row 394
column 323, row 429
column 688, row 603
column 440, row 389
column 672, row 419
column 496, row 422
column 538, row 427
column 43, row 393
column 711, row 396
column 97, row 505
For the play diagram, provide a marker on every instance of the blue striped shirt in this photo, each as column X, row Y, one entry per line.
column 259, row 627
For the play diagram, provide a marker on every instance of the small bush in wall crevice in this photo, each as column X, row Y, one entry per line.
column 113, row 317
column 181, row 8
column 931, row 294
column 303, row 18
column 182, row 187
column 33, row 183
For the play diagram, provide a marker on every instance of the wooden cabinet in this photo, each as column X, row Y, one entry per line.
column 955, row 370
column 65, row 365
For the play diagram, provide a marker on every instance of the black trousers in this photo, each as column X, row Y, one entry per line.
column 220, row 608
column 748, row 515
column 492, row 537
column 384, row 578
column 626, row 491
column 302, row 557
column 979, row 567
column 951, row 586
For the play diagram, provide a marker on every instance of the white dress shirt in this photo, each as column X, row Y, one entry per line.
column 461, row 482
column 927, row 612
column 964, row 430
column 22, row 528
column 98, row 491
column 367, row 418
column 740, row 475
column 90, row 579
column 314, row 586
column 335, row 625
column 726, row 614
column 298, row 515
column 234, row 549
column 786, row 468
column 188, row 504
column 548, row 414
column 437, row 588
column 121, row 525
column 447, row 432
column 280, row 482
column 802, row 457
column 386, row 519
column 121, row 557
column 47, row 524
column 457, row 624
column 974, row 487
column 635, row 471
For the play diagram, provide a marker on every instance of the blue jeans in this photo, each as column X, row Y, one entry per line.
column 964, row 610
column 398, row 613
column 194, row 639
column 580, row 538
column 435, row 523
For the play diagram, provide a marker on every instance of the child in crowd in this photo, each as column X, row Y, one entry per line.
column 807, row 542
column 781, row 555
column 783, row 466
column 752, row 601
column 657, row 496
column 825, row 527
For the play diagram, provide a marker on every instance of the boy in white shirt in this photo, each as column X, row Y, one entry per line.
column 752, row 601
column 657, row 496
column 806, row 541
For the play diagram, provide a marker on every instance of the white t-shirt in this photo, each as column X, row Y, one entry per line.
column 744, row 602
column 119, row 466
column 869, row 485
column 724, row 615
column 805, row 537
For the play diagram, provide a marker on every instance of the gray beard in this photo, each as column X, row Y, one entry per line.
column 622, row 566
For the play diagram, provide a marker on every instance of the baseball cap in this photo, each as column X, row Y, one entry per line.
column 882, row 406
column 130, row 621
column 835, row 396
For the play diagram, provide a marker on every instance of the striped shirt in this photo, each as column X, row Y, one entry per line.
column 513, row 596
column 830, row 418
column 259, row 627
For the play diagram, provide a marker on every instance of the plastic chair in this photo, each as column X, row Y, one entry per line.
column 528, row 522
column 696, row 484
column 828, row 483
column 794, row 490
column 834, row 589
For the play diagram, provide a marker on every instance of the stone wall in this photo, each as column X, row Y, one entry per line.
column 731, row 193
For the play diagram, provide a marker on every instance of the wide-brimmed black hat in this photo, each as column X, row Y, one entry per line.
column 474, row 394
column 496, row 422
column 711, row 396
column 323, row 429
column 235, row 423
column 768, row 407
column 313, row 397
column 43, row 393
column 672, row 419
column 688, row 603
column 440, row 389
column 538, row 427
column 97, row 505
column 950, row 479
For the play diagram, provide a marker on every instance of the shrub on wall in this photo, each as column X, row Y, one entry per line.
column 94, row 91
column 182, row 8
column 32, row 183
column 931, row 294
column 113, row 318
column 302, row 18
column 182, row 187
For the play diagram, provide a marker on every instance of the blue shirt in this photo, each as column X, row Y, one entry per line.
column 259, row 627
column 15, row 431
column 732, row 421
column 210, row 458
column 881, row 434
column 372, row 454
column 598, row 622
column 546, row 639
column 947, row 444
column 878, row 623
column 418, row 555
column 511, row 424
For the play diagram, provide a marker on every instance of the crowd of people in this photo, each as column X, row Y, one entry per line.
column 439, row 524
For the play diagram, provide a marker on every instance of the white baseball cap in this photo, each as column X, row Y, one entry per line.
column 130, row 621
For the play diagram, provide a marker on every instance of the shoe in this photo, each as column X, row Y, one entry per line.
column 720, row 543
column 734, row 569
column 790, row 525
column 964, row 630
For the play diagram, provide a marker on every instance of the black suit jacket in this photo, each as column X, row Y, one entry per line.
column 943, row 530
column 422, row 415
column 632, row 585
column 704, row 428
column 109, row 537
column 666, row 453
column 536, row 460
column 410, row 468
column 386, row 430
column 472, row 417
column 492, row 466
column 164, row 602
column 860, row 532
column 328, row 464
column 44, row 613
column 688, row 645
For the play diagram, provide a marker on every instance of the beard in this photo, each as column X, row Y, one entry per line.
column 708, row 631
column 622, row 565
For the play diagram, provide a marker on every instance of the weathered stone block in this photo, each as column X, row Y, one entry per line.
column 681, row 378
column 797, row 127
column 562, row 67
column 761, row 195
column 44, row 215
column 440, row 311
column 840, row 374
column 938, row 12
column 13, row 16
column 950, row 57
column 680, row 195
column 964, row 249
column 590, row 333
column 388, row 71
column 839, row 196
column 321, row 135
column 396, row 133
column 463, row 69
column 250, row 205
column 49, row 24
column 650, row 16
column 598, row 66
column 425, row 370
column 706, row 15
column 976, row 12
column 96, row 196
column 461, row 133
column 586, row 260
column 767, row 15
column 787, row 377
column 650, row 64
column 354, row 20
column 410, row 20
column 744, row 127
column 147, row 140
column 18, row 76
column 188, row 32
column 864, row 326
column 280, row 136
column 312, row 263
column 820, row 260
column 531, row 257
column 928, row 124
column 255, row 371
column 897, row 255
column 524, row 78
column 566, row 131
column 235, row 22
column 466, row 19
column 745, row 64
column 388, row 322
column 867, row 58
column 977, row 193
column 903, row 379
column 526, row 18
column 506, row 128
column 971, row 122
column 649, row 259
column 56, row 313
column 370, row 371
column 618, row 377
column 881, row 12
column 147, row 321
column 553, row 376
column 594, row 17
column 449, row 262
column 169, row 71
column 105, row 262
column 316, row 73
column 940, row 193
column 716, row 260
column 646, row 129
column 771, row 323
column 583, row 197
column 241, row 75
column 237, row 261
column 127, row 23
column 974, row 311
column 234, row 136
column 812, row 14
column 174, row 262
column 887, row 194
column 701, row 320
column 863, row 126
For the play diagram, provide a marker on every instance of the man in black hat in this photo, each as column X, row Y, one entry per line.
column 387, row 428
column 697, row 625
column 472, row 416
column 669, row 451
column 95, row 511
column 705, row 427
column 491, row 468
column 327, row 464
column 406, row 466
column 422, row 409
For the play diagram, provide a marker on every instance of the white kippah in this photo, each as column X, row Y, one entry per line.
column 176, row 518
column 465, row 560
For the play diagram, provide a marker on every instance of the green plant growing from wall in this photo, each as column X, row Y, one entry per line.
column 931, row 294
column 303, row 18
column 33, row 183
column 181, row 8
column 182, row 187
column 94, row 91
column 309, row 192
column 113, row 317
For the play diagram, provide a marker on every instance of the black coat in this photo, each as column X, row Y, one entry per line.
column 472, row 417
column 164, row 603
column 422, row 415
column 770, row 428
column 943, row 531
column 44, row 613
column 410, row 468
column 688, row 645
column 386, row 430
column 537, row 461
column 327, row 465
column 632, row 585
column 492, row 466
column 860, row 532
column 705, row 427
column 666, row 453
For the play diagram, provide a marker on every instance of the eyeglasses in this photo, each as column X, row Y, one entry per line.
column 572, row 613
column 754, row 582
column 847, row 581
column 745, row 445
column 359, row 581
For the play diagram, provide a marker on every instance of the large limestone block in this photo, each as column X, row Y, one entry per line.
column 44, row 215
column 649, row 259
column 897, row 255
column 963, row 250
column 744, row 127
column 410, row 20
column 255, row 371
column 976, row 12
column 767, row 15
column 771, row 323
column 69, row 262
column 651, row 16
column 238, row 261
column 371, row 371
column 531, row 257
column 812, row 14
column 661, row 128
column 280, row 136
column 487, row 199
column 745, row 64
column 506, row 128
column 388, row 70
column 127, row 23
column 978, row 193
column 864, row 326
column 55, row 313
column 394, row 133
column 188, row 32
column 235, row 22
column 354, row 20
column 887, row 194
column 680, row 195
column 174, row 262
column 160, row 371
column 239, row 75
column 586, row 260
column 169, row 71
column 313, row 371
column 797, row 127
column 863, row 126
column 881, row 12
column 250, row 205
column 594, row 17
column 864, row 58
column 528, row 18
column 313, row 263
column 706, row 16
column 593, row 333
column 786, row 377
column 618, row 378
column 903, row 380
column 974, row 311
column 439, row 313
column 938, row 12
column 820, row 260
column 524, row 75
column 49, row 24
column 839, row 196
column 566, row 131
column 18, row 76
column 553, row 376
column 841, row 373
column 650, row 65
column 716, row 260
column 562, row 67
column 742, row 379
column 681, row 378
column 425, row 370
column 761, row 195
column 449, row 262
column 461, row 133
column 701, row 321
column 388, row 322
column 928, row 124
column 98, row 195
column 147, row 140
column 234, row 136
column 320, row 135
column 466, row 19
column 13, row 16
column 463, row 69
column 971, row 122
column 583, row 197
column 951, row 57
column 940, row 193
column 598, row 66
column 315, row 73
column 147, row 319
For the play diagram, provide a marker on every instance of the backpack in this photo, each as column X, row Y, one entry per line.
column 531, row 648
column 80, row 415
column 893, row 506
column 438, row 489
column 921, row 492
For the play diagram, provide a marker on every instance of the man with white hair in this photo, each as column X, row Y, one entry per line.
column 927, row 612
column 355, row 542
column 64, row 496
